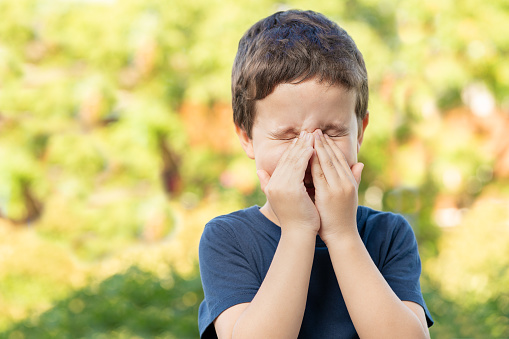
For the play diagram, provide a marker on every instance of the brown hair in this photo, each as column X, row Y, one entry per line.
column 292, row 47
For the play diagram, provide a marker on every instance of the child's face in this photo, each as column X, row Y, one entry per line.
column 290, row 109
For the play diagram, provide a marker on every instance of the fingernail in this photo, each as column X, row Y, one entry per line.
column 301, row 134
column 319, row 131
column 326, row 136
column 308, row 136
column 317, row 136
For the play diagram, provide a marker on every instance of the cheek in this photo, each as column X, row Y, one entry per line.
column 267, row 158
column 349, row 149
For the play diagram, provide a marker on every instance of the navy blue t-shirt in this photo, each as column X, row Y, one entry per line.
column 236, row 251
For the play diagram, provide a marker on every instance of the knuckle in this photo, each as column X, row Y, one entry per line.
column 292, row 159
column 349, row 189
column 276, row 191
column 271, row 189
column 299, row 160
column 337, row 191
column 268, row 191
column 321, row 175
column 353, row 188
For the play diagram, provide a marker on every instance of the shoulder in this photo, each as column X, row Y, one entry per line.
column 370, row 220
column 369, row 215
column 228, row 274
column 233, row 219
column 229, row 224
column 392, row 245
column 229, row 229
column 385, row 233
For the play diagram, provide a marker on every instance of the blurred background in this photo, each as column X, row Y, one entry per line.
column 117, row 146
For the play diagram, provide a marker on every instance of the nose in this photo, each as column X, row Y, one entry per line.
column 310, row 130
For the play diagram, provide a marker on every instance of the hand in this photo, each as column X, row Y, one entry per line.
column 285, row 189
column 336, row 189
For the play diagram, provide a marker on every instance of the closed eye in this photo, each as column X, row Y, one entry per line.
column 336, row 130
column 284, row 135
column 282, row 138
column 337, row 134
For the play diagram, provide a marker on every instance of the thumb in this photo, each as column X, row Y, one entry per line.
column 264, row 178
column 357, row 171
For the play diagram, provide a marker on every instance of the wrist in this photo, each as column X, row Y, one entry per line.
column 298, row 231
column 341, row 238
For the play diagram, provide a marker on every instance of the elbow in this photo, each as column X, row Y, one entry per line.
column 408, row 330
column 415, row 330
column 422, row 333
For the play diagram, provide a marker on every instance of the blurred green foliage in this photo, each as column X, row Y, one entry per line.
column 134, row 304
column 117, row 145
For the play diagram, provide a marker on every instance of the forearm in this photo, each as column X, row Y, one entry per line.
column 375, row 310
column 278, row 308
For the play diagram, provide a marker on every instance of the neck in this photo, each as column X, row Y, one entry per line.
column 269, row 213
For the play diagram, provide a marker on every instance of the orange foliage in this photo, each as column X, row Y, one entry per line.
column 91, row 108
column 387, row 87
column 209, row 126
column 492, row 133
column 145, row 57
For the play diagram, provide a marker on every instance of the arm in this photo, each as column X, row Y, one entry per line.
column 374, row 308
column 278, row 307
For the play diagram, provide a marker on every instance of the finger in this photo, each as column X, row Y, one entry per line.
column 283, row 160
column 303, row 143
column 264, row 178
column 319, row 179
column 288, row 149
column 292, row 167
column 301, row 155
column 357, row 172
column 334, row 155
column 338, row 155
column 326, row 162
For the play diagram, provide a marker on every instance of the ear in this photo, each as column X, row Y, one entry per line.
column 245, row 141
column 360, row 137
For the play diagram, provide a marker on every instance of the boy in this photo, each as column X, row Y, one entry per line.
column 310, row 263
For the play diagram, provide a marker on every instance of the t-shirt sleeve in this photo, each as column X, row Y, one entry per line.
column 402, row 266
column 226, row 275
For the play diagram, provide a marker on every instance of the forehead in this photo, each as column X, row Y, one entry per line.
column 306, row 105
